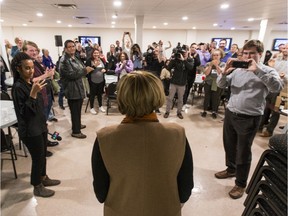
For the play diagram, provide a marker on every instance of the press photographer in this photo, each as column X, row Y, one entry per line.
column 180, row 64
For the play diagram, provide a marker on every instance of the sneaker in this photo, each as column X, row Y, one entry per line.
column 180, row 115
column 184, row 107
column 41, row 191
column 93, row 111
column 102, row 109
column 224, row 174
column 166, row 115
column 214, row 115
column 237, row 192
column 79, row 135
column 82, row 126
column 46, row 181
column 266, row 133
column 203, row 114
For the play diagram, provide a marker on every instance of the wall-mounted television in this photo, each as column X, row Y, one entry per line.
column 85, row 39
column 277, row 42
column 228, row 44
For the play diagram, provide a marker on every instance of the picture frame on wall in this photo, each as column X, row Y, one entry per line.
column 218, row 39
column 277, row 42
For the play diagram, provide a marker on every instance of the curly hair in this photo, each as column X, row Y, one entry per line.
column 17, row 62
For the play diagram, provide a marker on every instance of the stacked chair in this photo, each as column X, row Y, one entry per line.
column 267, row 189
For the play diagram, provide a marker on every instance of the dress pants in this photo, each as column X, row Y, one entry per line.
column 37, row 148
column 238, row 135
column 75, row 111
column 180, row 92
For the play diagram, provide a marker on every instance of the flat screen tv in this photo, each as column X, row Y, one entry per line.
column 85, row 39
column 228, row 44
column 277, row 42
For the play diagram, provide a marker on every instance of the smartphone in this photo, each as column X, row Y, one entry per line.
column 240, row 64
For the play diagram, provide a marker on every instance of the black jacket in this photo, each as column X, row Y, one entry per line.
column 71, row 72
column 179, row 70
column 29, row 111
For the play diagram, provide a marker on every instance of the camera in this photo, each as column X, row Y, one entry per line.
column 178, row 50
column 240, row 64
column 55, row 136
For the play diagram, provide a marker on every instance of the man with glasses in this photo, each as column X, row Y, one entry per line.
column 249, row 87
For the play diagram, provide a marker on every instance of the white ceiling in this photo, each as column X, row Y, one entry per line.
column 201, row 14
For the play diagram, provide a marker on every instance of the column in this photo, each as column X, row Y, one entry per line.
column 264, row 34
column 138, row 22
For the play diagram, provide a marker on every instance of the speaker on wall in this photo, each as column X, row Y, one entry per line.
column 58, row 40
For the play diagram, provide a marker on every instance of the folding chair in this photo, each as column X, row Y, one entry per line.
column 111, row 94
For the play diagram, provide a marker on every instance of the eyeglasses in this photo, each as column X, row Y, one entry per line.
column 249, row 53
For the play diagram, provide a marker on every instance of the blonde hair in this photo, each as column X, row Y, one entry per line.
column 139, row 93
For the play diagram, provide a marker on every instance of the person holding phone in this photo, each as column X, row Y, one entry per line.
column 212, row 91
column 32, row 127
column 127, row 43
column 249, row 87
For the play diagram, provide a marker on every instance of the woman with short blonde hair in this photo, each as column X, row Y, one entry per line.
column 139, row 93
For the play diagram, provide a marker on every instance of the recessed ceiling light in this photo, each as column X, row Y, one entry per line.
column 154, row 27
column 250, row 19
column 58, row 21
column 232, row 28
column 184, row 18
column 215, row 24
column 114, row 16
column 69, row 25
column 224, row 6
column 1, row 20
column 24, row 24
column 112, row 26
column 113, row 23
column 165, row 23
column 193, row 27
column 117, row 3
column 39, row 14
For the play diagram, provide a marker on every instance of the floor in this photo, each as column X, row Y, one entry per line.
column 71, row 164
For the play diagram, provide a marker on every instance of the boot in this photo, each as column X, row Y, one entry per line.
column 46, row 181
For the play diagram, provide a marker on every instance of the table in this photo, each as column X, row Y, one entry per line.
column 9, row 81
column 110, row 78
column 8, row 115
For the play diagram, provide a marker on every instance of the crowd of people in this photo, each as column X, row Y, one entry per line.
column 251, row 90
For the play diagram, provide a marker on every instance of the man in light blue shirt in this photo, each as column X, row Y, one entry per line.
column 249, row 87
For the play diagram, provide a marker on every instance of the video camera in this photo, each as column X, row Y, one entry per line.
column 178, row 50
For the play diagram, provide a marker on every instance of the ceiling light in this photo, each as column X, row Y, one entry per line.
column 69, row 25
column 117, row 3
column 224, row 6
column 1, row 20
column 112, row 26
column 113, row 23
column 251, row 19
column 232, row 28
column 24, row 24
column 39, row 14
column 114, row 16
column 185, row 18
column 58, row 21
column 165, row 23
column 215, row 24
column 154, row 27
column 193, row 27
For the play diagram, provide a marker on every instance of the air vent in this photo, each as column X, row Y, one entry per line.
column 65, row 6
column 245, row 26
column 283, row 23
column 80, row 17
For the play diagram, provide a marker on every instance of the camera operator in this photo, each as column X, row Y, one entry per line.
column 127, row 43
column 179, row 66
column 153, row 61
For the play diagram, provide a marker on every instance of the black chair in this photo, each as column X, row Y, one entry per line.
column 8, row 147
column 111, row 94
column 5, row 96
